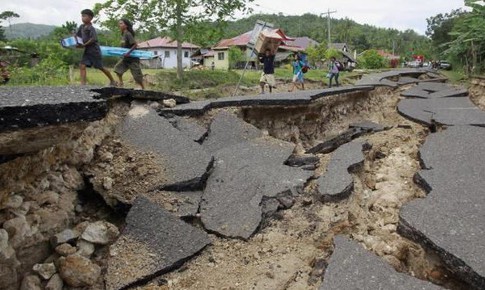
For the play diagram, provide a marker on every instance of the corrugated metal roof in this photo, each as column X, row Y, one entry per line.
column 240, row 40
column 348, row 55
column 303, row 42
column 165, row 42
column 339, row 46
column 243, row 39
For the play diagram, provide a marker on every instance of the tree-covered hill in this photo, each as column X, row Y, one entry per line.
column 27, row 30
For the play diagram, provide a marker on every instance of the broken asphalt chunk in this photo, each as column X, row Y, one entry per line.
column 154, row 242
column 446, row 111
column 242, row 176
column 353, row 267
column 29, row 107
column 451, row 219
column 337, row 182
column 226, row 130
column 184, row 161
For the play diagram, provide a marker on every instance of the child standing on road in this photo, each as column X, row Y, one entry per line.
column 128, row 62
column 92, row 52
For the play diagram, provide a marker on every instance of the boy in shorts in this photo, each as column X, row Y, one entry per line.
column 128, row 62
column 267, row 77
column 92, row 52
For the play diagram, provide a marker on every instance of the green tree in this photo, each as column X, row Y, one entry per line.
column 66, row 29
column 439, row 28
column 2, row 34
column 236, row 55
column 371, row 59
column 173, row 16
column 316, row 53
column 333, row 53
column 8, row 15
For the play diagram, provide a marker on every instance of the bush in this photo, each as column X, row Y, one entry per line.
column 50, row 71
column 371, row 59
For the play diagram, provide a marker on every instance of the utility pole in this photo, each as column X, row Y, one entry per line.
column 328, row 25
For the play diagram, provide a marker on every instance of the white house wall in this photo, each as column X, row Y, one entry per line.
column 168, row 62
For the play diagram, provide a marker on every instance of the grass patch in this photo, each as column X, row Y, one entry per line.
column 166, row 80
column 455, row 77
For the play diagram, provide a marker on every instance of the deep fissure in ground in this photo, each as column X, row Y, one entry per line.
column 293, row 245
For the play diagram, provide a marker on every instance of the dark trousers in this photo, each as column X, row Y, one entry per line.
column 333, row 75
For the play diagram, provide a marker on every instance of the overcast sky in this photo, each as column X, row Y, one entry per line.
column 399, row 14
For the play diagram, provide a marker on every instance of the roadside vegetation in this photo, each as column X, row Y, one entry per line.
column 456, row 37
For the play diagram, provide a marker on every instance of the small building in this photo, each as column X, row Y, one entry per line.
column 221, row 49
column 348, row 60
column 203, row 56
column 339, row 46
column 165, row 50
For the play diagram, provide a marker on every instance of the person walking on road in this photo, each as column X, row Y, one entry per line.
column 92, row 52
column 128, row 62
column 297, row 73
column 267, row 76
column 333, row 72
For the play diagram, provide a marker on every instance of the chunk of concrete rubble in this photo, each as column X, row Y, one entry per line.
column 31, row 282
column 64, row 237
column 170, row 103
column 11, row 202
column 85, row 249
column 55, row 283
column 244, row 174
column 449, row 221
column 226, row 129
column 353, row 267
column 100, row 232
column 45, row 271
column 3, row 239
column 65, row 249
column 153, row 242
column 78, row 271
column 447, row 111
column 184, row 161
column 337, row 182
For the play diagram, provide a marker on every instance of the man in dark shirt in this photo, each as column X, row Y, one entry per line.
column 267, row 77
column 92, row 52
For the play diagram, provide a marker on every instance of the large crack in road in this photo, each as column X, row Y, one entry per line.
column 219, row 216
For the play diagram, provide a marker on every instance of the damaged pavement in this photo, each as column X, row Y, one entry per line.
column 181, row 183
